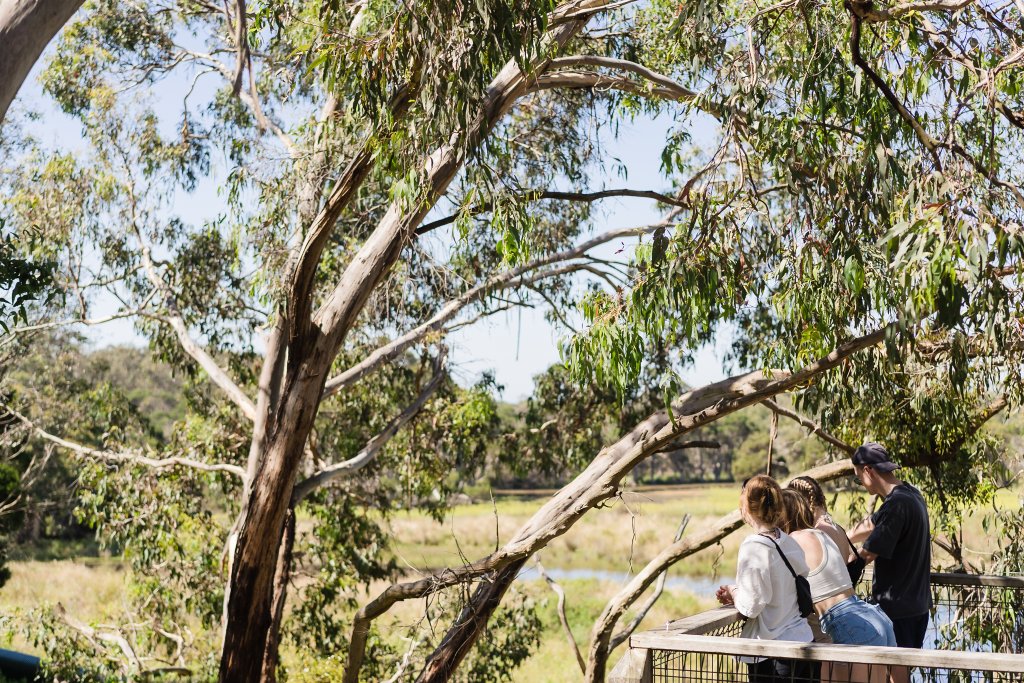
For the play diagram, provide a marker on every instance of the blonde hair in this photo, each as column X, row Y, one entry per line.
column 811, row 490
column 764, row 500
column 799, row 514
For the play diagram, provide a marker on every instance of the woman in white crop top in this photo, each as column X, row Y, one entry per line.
column 765, row 590
column 847, row 619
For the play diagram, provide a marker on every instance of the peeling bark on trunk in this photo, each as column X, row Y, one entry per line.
column 26, row 28
column 261, row 535
column 271, row 656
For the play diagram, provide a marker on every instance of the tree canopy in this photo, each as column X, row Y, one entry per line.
column 840, row 188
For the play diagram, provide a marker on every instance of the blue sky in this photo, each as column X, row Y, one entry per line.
column 515, row 345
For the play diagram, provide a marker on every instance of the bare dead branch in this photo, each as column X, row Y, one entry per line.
column 133, row 664
column 560, row 592
column 403, row 666
column 810, row 425
column 89, row 322
column 659, row 587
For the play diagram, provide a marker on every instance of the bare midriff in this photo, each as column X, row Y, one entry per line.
column 823, row 606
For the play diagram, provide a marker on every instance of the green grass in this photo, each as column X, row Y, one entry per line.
column 635, row 526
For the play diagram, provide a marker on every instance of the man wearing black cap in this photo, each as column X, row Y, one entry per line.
column 898, row 541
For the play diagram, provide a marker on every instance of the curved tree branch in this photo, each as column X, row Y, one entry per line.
column 930, row 143
column 124, row 456
column 879, row 14
column 216, row 373
column 660, row 80
column 599, row 482
column 565, row 196
column 623, row 635
column 365, row 456
column 510, row 279
column 560, row 608
column 810, row 425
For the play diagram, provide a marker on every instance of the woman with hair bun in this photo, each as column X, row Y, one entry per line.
column 765, row 588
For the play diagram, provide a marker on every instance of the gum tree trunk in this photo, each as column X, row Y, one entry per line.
column 26, row 28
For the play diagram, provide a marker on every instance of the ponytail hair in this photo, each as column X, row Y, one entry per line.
column 764, row 500
column 798, row 511
column 811, row 490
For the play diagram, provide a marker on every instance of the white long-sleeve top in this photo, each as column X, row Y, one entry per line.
column 765, row 591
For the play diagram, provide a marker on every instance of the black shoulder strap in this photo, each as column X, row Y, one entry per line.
column 852, row 546
column 781, row 554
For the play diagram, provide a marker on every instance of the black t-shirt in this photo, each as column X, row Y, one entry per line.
column 902, row 541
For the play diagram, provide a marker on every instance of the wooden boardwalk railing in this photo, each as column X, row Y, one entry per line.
column 703, row 648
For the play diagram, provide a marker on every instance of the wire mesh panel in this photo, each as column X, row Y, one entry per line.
column 703, row 667
column 732, row 630
column 977, row 614
column 976, row 635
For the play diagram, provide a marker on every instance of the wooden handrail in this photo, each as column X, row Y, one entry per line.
column 856, row 654
column 938, row 579
column 704, row 622
column 710, row 620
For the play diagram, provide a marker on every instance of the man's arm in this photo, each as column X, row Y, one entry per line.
column 862, row 531
column 868, row 556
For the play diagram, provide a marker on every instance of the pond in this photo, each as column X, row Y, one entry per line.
column 699, row 586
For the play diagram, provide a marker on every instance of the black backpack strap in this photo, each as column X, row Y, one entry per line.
column 781, row 554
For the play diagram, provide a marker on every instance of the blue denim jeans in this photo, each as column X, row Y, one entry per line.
column 855, row 622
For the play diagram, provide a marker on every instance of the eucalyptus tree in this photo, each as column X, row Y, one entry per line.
column 399, row 170
column 190, row 287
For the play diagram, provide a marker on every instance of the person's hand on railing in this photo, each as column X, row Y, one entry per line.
column 724, row 595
